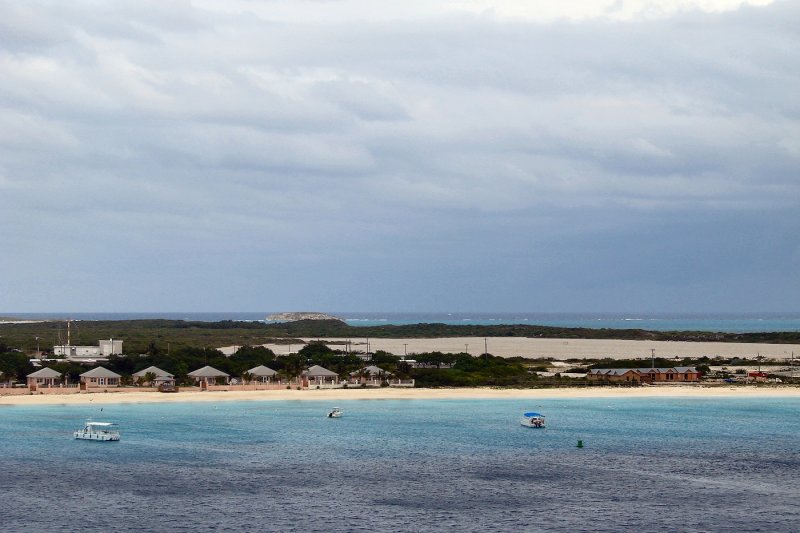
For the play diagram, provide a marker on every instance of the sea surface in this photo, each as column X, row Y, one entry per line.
column 408, row 465
column 732, row 323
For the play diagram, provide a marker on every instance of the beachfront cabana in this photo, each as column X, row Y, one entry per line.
column 369, row 375
column 262, row 374
column 44, row 377
column 160, row 376
column 208, row 375
column 99, row 377
column 317, row 375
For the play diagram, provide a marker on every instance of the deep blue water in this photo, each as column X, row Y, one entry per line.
column 733, row 323
column 411, row 465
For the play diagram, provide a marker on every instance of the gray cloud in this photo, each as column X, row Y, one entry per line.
column 255, row 156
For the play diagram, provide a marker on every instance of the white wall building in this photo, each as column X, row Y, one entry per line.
column 105, row 348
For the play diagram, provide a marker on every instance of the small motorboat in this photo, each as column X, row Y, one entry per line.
column 335, row 413
column 102, row 431
column 532, row 420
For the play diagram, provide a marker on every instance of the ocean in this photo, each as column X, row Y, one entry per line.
column 408, row 465
column 725, row 322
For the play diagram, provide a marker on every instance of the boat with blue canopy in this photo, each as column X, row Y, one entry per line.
column 532, row 420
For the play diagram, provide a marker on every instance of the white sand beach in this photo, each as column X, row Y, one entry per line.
column 559, row 349
column 665, row 391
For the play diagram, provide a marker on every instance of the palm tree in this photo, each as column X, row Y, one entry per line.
column 149, row 377
column 363, row 375
column 293, row 367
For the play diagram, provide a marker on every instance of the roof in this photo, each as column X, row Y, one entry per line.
column 207, row 372
column 611, row 371
column 155, row 370
column 372, row 370
column 100, row 372
column 318, row 371
column 532, row 415
column 623, row 371
column 261, row 370
column 45, row 373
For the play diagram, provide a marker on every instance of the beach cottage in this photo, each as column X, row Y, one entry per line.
column 318, row 376
column 680, row 374
column 208, row 375
column 99, row 377
column 44, row 377
column 262, row 374
column 160, row 377
column 370, row 376
column 615, row 375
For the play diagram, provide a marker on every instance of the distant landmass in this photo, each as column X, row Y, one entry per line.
column 292, row 317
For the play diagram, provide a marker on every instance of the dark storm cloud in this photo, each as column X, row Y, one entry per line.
column 271, row 142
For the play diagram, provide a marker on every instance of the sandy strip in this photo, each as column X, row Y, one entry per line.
column 559, row 349
column 668, row 391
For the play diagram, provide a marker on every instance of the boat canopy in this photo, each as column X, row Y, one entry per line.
column 102, row 424
column 533, row 415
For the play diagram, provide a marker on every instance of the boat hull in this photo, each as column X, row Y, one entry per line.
column 532, row 423
column 95, row 435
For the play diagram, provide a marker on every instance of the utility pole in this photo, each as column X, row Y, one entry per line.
column 485, row 346
column 466, row 349
column 405, row 351
column 652, row 357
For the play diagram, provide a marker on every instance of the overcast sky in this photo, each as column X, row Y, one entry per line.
column 352, row 155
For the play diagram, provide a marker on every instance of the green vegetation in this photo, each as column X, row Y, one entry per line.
column 155, row 336
column 179, row 347
column 468, row 371
column 14, row 364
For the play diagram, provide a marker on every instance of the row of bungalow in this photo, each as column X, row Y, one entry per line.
column 678, row 374
column 315, row 376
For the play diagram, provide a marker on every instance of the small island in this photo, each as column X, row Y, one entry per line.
column 300, row 315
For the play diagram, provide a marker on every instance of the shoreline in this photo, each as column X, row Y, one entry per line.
column 668, row 391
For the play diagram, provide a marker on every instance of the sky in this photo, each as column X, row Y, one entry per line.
column 424, row 155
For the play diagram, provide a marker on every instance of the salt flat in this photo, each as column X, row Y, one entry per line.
column 560, row 348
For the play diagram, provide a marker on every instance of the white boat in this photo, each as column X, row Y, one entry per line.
column 532, row 420
column 335, row 413
column 97, row 431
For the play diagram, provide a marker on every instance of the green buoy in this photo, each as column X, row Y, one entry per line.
column 580, row 444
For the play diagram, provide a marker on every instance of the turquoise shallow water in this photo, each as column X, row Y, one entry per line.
column 411, row 465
